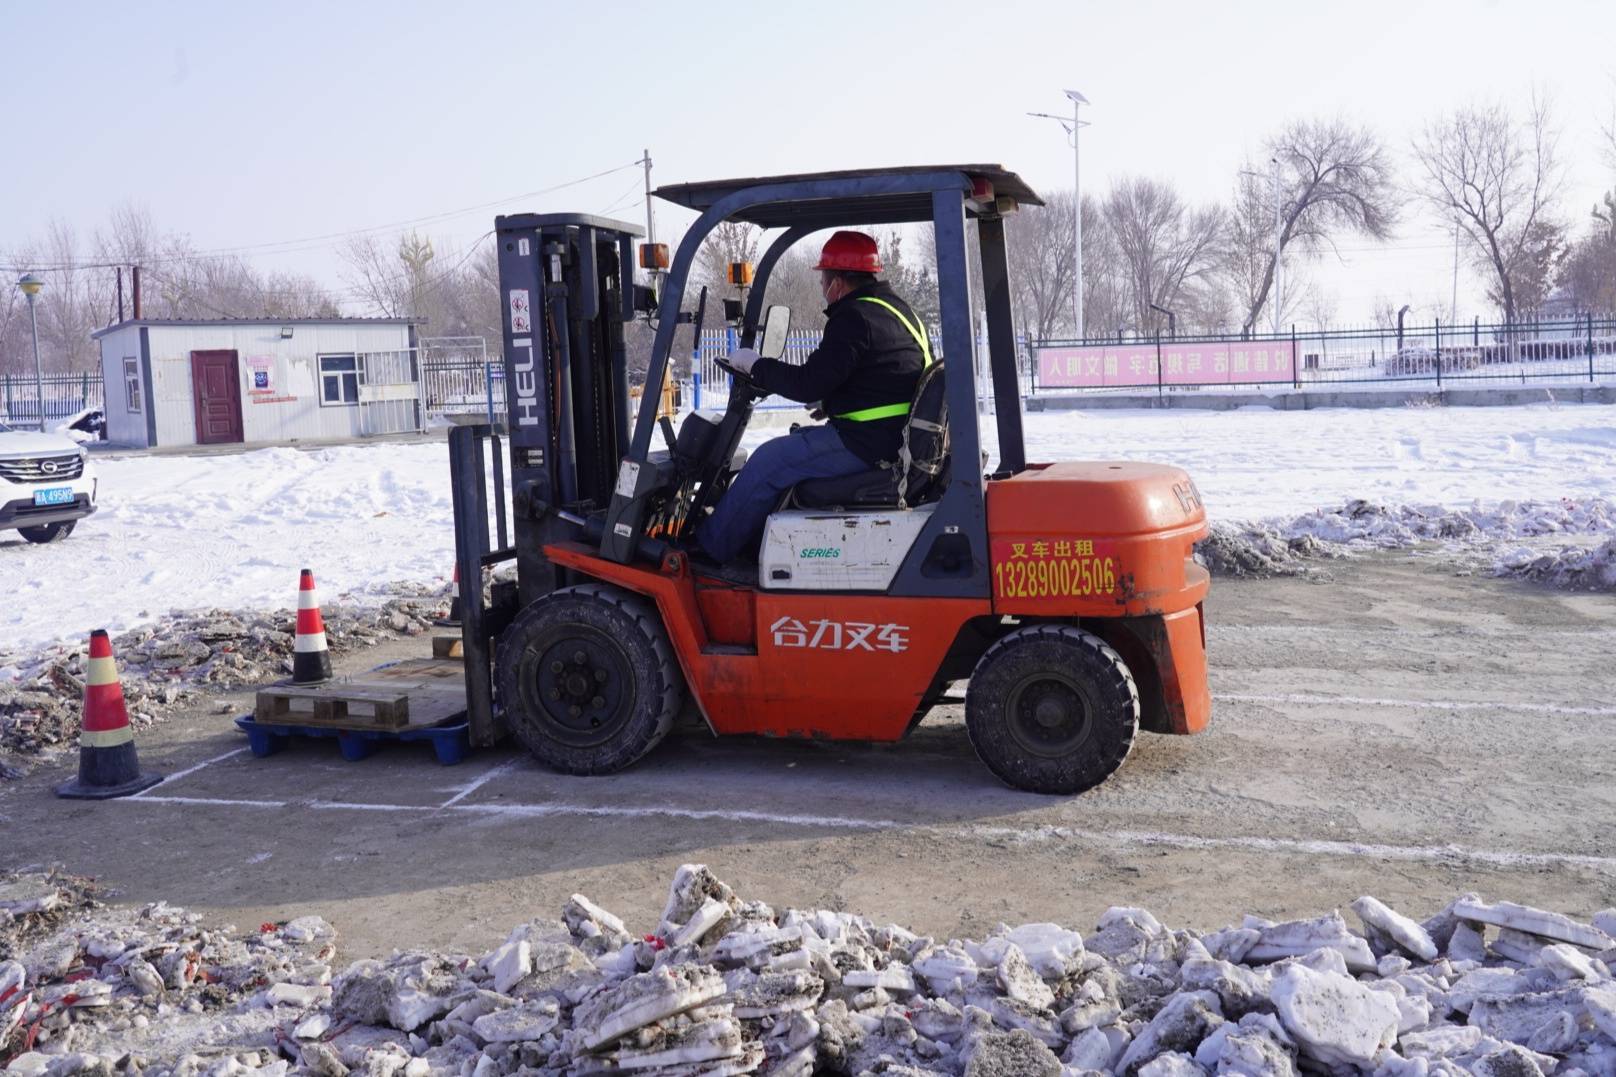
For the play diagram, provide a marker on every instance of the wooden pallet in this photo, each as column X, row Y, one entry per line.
column 413, row 694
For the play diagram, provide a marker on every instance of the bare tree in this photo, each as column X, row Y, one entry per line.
column 1166, row 249
column 731, row 241
column 1041, row 256
column 914, row 277
column 14, row 313
column 1318, row 305
column 795, row 283
column 1334, row 177
column 375, row 275
column 1498, row 176
column 1041, row 260
column 1588, row 272
column 130, row 236
column 72, row 305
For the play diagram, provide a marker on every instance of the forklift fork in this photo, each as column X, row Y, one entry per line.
column 473, row 553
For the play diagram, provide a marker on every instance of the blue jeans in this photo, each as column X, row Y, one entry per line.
column 814, row 452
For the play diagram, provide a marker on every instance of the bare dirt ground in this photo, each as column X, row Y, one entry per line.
column 1396, row 730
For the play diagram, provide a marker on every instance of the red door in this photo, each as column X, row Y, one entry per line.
column 216, row 393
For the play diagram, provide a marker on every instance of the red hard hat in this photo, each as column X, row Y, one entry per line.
column 852, row 251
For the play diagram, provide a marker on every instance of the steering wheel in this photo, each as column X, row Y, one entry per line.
column 740, row 377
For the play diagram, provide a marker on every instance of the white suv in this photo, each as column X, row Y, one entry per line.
column 46, row 484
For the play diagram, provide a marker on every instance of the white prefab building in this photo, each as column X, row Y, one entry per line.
column 174, row 383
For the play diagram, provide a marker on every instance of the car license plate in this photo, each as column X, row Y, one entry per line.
column 56, row 495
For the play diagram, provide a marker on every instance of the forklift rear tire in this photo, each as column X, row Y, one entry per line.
column 1052, row 709
column 588, row 679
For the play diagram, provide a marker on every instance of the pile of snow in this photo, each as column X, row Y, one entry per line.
column 1570, row 567
column 1400, row 526
column 1491, row 534
column 729, row 986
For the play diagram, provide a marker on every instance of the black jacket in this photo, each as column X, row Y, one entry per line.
column 866, row 359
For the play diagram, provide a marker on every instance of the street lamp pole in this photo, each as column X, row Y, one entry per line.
column 30, row 286
column 1078, row 101
column 1073, row 127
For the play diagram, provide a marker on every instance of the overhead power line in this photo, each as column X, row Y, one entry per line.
column 290, row 246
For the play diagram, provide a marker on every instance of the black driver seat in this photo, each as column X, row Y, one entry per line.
column 917, row 478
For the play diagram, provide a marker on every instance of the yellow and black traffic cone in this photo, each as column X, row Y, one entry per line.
column 455, row 606
column 107, row 763
column 311, row 658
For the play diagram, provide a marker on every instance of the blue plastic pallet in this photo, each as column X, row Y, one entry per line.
column 450, row 742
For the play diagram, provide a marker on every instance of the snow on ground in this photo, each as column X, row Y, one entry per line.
column 1256, row 463
column 232, row 530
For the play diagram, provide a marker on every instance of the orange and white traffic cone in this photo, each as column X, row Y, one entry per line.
column 455, row 606
column 107, row 763
column 311, row 659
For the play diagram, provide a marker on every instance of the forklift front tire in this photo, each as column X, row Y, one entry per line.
column 588, row 680
column 1052, row 709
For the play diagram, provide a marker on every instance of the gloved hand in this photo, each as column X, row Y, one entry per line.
column 742, row 359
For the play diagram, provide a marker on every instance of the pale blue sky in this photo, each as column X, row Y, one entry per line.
column 243, row 125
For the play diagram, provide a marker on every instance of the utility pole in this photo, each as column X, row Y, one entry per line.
column 1073, row 127
column 650, row 219
column 1278, row 304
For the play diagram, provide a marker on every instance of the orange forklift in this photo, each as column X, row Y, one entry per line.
column 1066, row 595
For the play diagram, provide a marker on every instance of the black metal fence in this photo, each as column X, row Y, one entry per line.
column 1579, row 349
column 65, row 396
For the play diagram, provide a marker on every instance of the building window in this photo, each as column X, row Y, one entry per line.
column 131, row 385
column 340, row 378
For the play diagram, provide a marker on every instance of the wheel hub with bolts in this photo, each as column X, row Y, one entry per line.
column 1049, row 715
column 577, row 682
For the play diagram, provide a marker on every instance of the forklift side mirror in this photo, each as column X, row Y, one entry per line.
column 776, row 324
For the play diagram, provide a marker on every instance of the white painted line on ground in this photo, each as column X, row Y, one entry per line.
column 1318, row 847
column 187, row 772
column 209, row 800
column 836, row 821
column 1496, row 858
column 1395, row 630
column 483, row 779
column 1415, row 704
column 351, row 805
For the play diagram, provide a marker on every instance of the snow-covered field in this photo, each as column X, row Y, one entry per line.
column 196, row 531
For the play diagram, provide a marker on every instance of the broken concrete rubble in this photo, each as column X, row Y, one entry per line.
column 728, row 986
column 170, row 662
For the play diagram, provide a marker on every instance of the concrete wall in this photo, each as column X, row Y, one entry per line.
column 290, row 409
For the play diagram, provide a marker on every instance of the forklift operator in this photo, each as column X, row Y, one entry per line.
column 864, row 373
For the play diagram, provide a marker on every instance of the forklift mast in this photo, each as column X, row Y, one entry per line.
column 566, row 286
